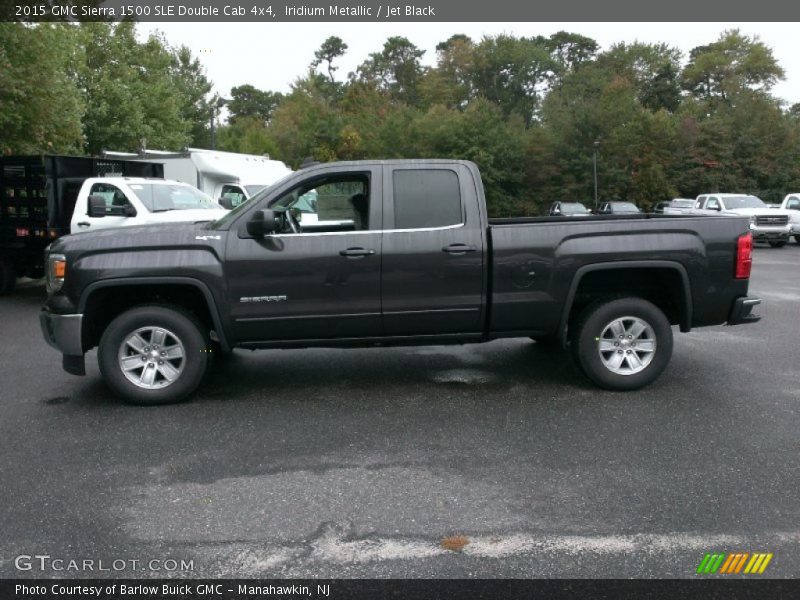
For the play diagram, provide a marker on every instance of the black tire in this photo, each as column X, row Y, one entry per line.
column 8, row 277
column 181, row 326
column 777, row 244
column 797, row 239
column 585, row 343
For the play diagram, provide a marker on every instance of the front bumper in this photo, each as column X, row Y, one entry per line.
column 742, row 311
column 63, row 332
column 774, row 234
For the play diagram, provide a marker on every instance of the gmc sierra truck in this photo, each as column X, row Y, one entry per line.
column 389, row 252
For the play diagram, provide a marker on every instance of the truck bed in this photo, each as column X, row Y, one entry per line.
column 536, row 260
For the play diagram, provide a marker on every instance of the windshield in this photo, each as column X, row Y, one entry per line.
column 160, row 197
column 573, row 208
column 624, row 207
column 736, row 202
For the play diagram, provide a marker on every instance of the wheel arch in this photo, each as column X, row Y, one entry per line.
column 677, row 304
column 189, row 293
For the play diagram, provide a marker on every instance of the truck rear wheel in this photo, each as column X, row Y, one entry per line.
column 8, row 276
column 622, row 344
column 153, row 355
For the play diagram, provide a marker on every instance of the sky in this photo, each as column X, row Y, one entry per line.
column 271, row 56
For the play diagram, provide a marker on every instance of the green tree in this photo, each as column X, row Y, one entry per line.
column 733, row 63
column 138, row 93
column 396, row 69
column 189, row 78
column 569, row 51
column 40, row 106
column 331, row 49
column 449, row 84
column 248, row 135
column 652, row 69
column 249, row 102
column 512, row 73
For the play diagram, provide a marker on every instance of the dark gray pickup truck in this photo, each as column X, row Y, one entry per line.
column 388, row 252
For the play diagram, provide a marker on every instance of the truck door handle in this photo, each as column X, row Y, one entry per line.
column 459, row 249
column 357, row 252
column 84, row 224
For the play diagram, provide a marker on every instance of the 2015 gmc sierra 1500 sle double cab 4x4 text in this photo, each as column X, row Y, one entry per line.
column 389, row 252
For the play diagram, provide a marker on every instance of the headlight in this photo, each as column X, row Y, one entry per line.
column 753, row 220
column 56, row 271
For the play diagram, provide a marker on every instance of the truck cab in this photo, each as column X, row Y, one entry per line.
column 107, row 202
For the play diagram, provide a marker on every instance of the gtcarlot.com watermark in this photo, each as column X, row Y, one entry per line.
column 47, row 563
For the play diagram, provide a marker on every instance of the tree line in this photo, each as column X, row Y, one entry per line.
column 530, row 111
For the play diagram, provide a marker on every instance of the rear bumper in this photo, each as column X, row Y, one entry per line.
column 742, row 311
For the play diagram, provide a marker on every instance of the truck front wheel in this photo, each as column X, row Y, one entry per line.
column 622, row 344
column 153, row 355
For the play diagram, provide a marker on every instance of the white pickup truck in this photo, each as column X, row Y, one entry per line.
column 791, row 205
column 106, row 202
column 766, row 224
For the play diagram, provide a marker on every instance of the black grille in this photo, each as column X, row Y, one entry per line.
column 774, row 220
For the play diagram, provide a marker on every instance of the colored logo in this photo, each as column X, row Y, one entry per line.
column 734, row 563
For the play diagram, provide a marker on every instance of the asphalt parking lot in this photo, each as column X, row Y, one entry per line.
column 497, row 460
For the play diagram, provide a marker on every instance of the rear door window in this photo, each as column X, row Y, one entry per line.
column 426, row 198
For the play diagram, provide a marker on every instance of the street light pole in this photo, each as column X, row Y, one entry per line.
column 595, row 146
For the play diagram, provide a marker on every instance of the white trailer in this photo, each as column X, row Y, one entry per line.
column 228, row 177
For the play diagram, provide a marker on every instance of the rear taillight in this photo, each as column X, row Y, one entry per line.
column 744, row 256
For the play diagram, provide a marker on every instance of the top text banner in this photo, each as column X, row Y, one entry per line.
column 388, row 10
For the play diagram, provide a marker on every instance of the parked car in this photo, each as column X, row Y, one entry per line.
column 766, row 224
column 569, row 209
column 676, row 206
column 416, row 262
column 791, row 204
column 37, row 197
column 108, row 202
column 618, row 208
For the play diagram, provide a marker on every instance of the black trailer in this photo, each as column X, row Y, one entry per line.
column 37, row 196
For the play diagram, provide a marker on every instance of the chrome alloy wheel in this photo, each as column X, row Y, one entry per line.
column 627, row 345
column 152, row 357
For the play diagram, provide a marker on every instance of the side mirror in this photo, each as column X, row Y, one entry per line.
column 262, row 223
column 226, row 202
column 97, row 207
